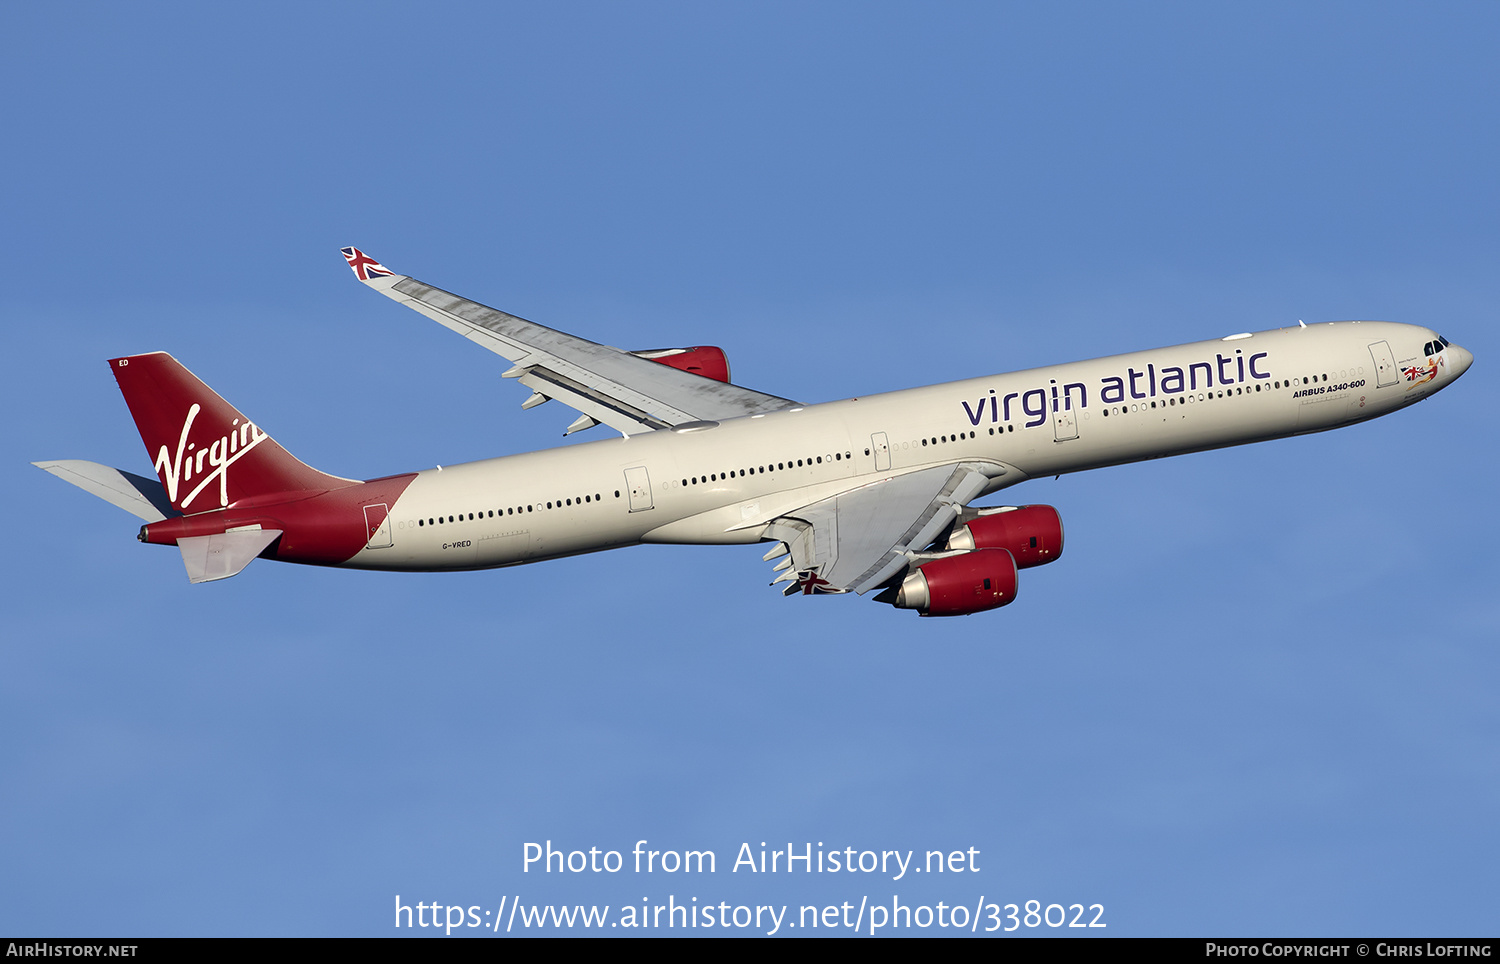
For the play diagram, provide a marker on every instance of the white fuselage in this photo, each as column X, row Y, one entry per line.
column 722, row 484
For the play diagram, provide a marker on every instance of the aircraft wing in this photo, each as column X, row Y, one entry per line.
column 857, row 540
column 624, row 391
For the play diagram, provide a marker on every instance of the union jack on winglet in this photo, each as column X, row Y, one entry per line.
column 365, row 267
column 812, row 584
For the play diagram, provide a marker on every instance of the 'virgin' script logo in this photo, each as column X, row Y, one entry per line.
column 219, row 455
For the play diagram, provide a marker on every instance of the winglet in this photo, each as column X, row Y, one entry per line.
column 365, row 267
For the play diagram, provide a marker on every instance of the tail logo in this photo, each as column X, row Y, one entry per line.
column 188, row 461
column 365, row 267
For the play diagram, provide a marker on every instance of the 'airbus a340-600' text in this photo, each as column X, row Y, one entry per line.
column 868, row 494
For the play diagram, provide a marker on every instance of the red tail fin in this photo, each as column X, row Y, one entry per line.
column 207, row 454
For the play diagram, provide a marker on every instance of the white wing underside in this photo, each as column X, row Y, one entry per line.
column 616, row 388
column 860, row 539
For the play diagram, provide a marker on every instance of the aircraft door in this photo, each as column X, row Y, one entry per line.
column 378, row 526
column 1385, row 364
column 1065, row 424
column 882, row 448
column 639, row 484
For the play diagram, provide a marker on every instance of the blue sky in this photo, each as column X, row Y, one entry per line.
column 1255, row 696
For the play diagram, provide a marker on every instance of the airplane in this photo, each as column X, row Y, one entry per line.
column 866, row 494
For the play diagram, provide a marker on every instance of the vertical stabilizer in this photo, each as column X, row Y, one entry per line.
column 205, row 452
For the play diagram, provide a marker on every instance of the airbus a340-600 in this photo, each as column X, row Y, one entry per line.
column 867, row 494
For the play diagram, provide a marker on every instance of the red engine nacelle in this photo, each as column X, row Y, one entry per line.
column 1032, row 533
column 959, row 585
column 705, row 360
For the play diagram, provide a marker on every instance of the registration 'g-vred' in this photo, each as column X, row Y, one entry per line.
column 867, row 494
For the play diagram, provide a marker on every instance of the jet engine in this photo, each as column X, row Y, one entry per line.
column 705, row 360
column 958, row 584
column 1032, row 533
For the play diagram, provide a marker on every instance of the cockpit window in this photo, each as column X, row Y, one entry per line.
column 1427, row 348
column 1443, row 340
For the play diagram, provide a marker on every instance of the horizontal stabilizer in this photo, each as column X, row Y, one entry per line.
column 224, row 554
column 146, row 498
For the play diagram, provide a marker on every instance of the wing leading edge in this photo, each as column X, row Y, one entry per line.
column 628, row 393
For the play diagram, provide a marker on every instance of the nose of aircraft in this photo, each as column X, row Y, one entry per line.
column 1459, row 360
